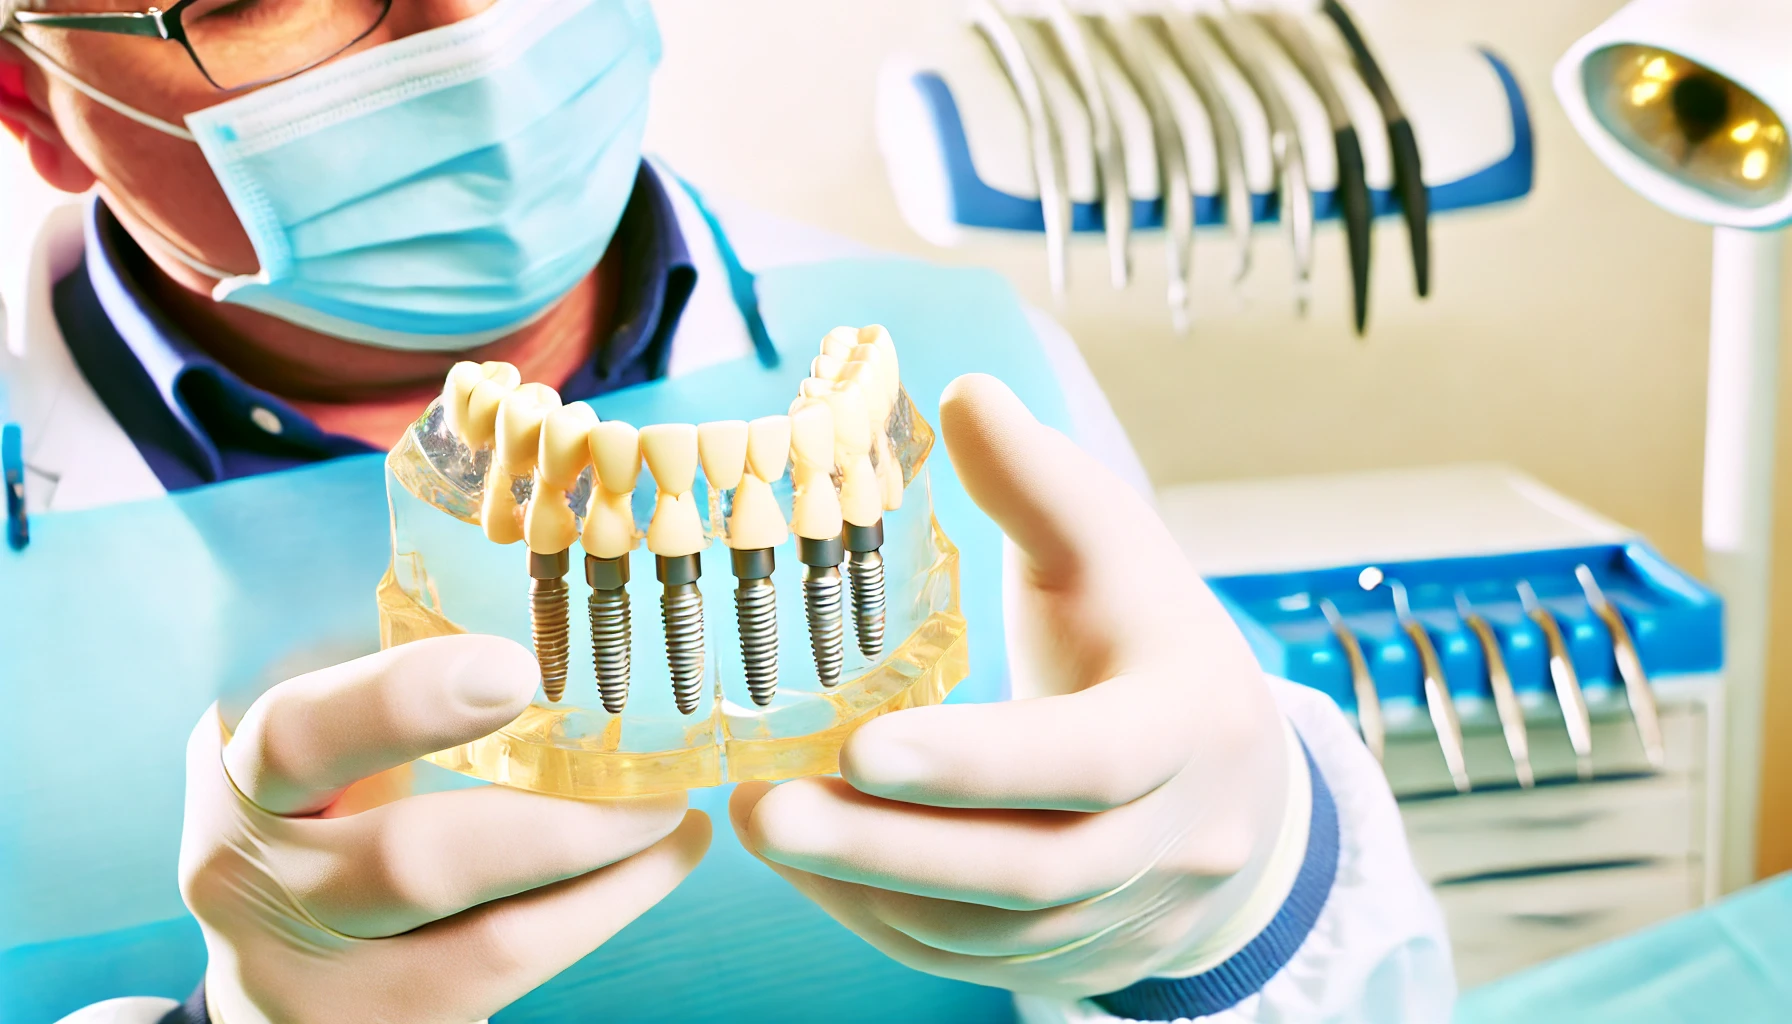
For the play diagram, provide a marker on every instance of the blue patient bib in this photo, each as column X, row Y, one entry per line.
column 120, row 625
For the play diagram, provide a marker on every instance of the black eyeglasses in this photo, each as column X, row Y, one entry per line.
column 239, row 44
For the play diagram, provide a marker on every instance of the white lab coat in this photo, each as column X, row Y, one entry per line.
column 1378, row 952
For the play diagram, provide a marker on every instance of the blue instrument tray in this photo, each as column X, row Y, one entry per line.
column 1677, row 623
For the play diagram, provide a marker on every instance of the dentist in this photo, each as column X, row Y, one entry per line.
column 301, row 213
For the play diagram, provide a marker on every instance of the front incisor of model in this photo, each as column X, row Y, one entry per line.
column 880, row 339
column 861, row 504
column 477, row 409
column 518, row 440
column 757, row 522
column 550, row 525
column 610, row 522
column 816, row 508
column 869, row 369
column 469, row 421
column 722, row 448
column 677, row 526
column 839, row 342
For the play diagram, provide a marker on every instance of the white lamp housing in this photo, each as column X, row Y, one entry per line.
column 1743, row 41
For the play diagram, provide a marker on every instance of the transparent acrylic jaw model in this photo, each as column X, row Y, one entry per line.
column 496, row 480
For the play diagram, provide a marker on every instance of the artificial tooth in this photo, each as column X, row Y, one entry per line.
column 861, row 507
column 723, row 447
column 817, row 524
column 675, row 536
column 615, row 449
column 497, row 381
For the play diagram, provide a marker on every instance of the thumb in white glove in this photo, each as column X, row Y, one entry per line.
column 440, row 908
column 1142, row 811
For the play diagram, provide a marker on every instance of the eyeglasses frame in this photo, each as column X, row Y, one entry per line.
column 167, row 25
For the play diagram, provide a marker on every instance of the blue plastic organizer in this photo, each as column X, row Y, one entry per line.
column 1677, row 622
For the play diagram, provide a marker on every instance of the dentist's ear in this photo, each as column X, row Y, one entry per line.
column 25, row 114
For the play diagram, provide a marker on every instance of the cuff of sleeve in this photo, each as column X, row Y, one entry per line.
column 192, row 1011
column 1247, row 971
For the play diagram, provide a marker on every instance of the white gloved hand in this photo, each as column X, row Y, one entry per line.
column 1141, row 811
column 323, row 898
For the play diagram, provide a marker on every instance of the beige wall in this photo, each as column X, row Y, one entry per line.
column 1565, row 335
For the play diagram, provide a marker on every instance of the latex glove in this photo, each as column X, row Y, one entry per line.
column 1141, row 811
column 442, row 907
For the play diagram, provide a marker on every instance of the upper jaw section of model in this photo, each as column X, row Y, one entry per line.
column 525, row 466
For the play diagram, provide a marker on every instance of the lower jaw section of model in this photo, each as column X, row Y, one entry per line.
column 448, row 576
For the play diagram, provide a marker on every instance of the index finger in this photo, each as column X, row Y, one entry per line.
column 309, row 738
column 1062, row 507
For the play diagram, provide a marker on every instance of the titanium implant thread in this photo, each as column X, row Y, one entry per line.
column 865, row 567
column 821, row 599
column 610, row 646
column 549, row 620
column 756, row 607
column 681, row 605
column 866, row 570
column 611, row 628
column 756, row 611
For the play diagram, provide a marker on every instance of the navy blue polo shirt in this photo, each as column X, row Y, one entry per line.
column 195, row 422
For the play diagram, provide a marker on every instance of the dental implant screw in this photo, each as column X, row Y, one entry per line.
column 548, row 619
column 681, row 605
column 611, row 629
column 821, row 601
column 865, row 568
column 756, row 611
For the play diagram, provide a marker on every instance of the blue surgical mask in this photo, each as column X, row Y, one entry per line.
column 438, row 192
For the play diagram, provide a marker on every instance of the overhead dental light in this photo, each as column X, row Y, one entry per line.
column 1686, row 102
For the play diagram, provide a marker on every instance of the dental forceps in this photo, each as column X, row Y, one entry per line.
column 1190, row 45
column 1353, row 184
column 1042, row 135
column 1505, row 699
column 1409, row 180
column 1630, row 669
column 1368, row 702
column 1567, row 682
column 1116, row 199
column 1293, row 188
column 1438, row 701
column 1174, row 182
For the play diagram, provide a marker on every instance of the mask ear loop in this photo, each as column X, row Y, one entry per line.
column 45, row 61
column 49, row 65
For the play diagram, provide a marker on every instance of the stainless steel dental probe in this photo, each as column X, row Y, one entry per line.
column 1042, row 136
column 1505, row 699
column 1188, row 44
column 1353, row 184
column 1074, row 42
column 1630, row 669
column 1566, row 681
column 1409, row 178
column 1174, row 183
column 1438, row 701
column 1368, row 702
column 1293, row 189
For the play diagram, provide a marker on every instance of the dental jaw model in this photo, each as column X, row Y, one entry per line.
column 496, row 462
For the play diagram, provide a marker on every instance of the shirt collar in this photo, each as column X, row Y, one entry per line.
column 214, row 408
